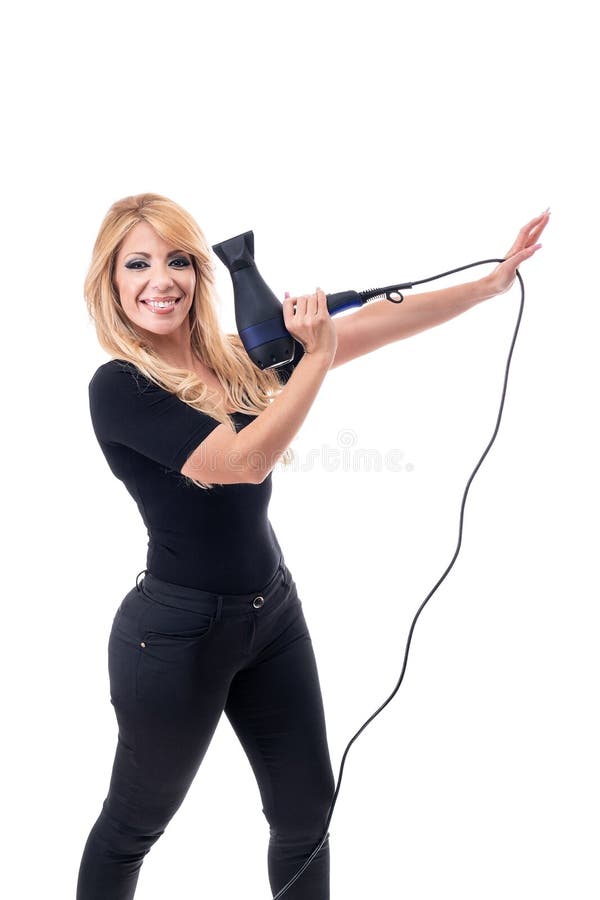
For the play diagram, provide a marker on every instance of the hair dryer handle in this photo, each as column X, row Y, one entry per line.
column 344, row 300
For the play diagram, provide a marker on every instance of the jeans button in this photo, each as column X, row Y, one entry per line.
column 258, row 602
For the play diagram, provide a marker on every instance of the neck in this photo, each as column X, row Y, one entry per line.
column 176, row 348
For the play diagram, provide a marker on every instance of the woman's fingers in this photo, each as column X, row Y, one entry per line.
column 529, row 233
column 537, row 229
column 311, row 305
column 307, row 303
column 517, row 258
column 535, row 222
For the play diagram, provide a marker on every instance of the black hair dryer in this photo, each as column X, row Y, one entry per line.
column 259, row 313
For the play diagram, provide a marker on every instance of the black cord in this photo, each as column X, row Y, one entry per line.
column 434, row 589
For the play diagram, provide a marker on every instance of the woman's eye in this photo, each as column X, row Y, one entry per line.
column 140, row 263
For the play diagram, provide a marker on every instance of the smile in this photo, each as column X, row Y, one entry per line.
column 160, row 304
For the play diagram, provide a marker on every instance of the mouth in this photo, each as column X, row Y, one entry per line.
column 161, row 305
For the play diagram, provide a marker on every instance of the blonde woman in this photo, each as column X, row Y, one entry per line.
column 193, row 430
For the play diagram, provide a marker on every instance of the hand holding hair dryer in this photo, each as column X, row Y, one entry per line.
column 259, row 313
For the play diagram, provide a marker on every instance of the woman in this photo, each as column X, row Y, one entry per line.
column 194, row 429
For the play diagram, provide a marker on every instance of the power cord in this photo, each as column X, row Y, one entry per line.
column 389, row 294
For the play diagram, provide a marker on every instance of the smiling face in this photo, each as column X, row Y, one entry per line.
column 155, row 281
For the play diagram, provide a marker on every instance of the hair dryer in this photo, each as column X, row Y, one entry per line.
column 259, row 313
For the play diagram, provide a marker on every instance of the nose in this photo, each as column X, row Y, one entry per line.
column 162, row 278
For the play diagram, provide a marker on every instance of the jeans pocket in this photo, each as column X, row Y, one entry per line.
column 163, row 634
column 168, row 653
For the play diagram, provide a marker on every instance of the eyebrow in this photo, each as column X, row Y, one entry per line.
column 147, row 255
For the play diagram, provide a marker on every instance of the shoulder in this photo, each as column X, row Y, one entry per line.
column 112, row 368
column 114, row 374
column 117, row 389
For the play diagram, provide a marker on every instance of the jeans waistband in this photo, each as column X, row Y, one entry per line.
column 211, row 602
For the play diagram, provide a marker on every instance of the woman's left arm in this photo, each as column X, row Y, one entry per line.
column 382, row 322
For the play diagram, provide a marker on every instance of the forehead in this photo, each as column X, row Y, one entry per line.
column 143, row 237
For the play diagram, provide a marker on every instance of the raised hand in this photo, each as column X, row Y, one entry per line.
column 501, row 279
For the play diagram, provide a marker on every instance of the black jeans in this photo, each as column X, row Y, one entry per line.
column 178, row 657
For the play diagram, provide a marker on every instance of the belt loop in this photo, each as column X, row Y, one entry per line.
column 136, row 579
column 219, row 607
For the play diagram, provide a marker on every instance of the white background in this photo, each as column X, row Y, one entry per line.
column 363, row 144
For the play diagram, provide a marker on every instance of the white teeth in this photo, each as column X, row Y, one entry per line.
column 162, row 304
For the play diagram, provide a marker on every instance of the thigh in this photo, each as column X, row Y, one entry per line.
column 168, row 698
column 276, row 709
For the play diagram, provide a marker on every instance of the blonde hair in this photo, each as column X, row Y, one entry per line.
column 247, row 388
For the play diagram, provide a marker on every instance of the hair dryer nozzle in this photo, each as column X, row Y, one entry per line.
column 258, row 312
column 237, row 252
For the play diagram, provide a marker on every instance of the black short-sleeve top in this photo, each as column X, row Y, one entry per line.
column 217, row 540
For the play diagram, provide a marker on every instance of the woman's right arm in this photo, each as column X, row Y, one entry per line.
column 253, row 453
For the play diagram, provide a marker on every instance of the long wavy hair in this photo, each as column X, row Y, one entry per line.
column 246, row 388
